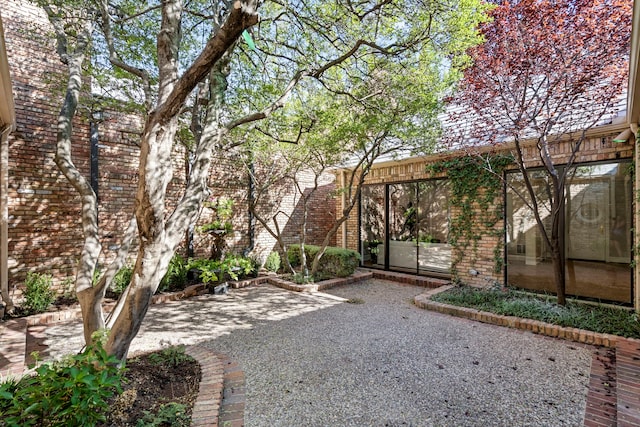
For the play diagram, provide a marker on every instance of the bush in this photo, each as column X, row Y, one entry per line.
column 38, row 294
column 336, row 262
column 176, row 277
column 170, row 415
column 121, row 280
column 273, row 261
column 233, row 267
column 73, row 391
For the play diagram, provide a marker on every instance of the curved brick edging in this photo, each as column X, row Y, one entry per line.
column 358, row 276
column 221, row 396
column 537, row 327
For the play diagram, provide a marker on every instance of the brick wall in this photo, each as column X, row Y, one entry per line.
column 482, row 261
column 44, row 211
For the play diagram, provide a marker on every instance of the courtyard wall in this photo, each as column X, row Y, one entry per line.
column 44, row 210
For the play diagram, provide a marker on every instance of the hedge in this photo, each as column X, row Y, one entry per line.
column 336, row 262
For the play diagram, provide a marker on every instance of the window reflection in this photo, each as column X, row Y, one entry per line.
column 417, row 223
column 597, row 232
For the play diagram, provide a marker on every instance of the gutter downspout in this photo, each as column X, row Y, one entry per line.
column 343, row 179
column 4, row 218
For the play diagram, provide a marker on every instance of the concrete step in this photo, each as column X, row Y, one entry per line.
column 628, row 382
column 13, row 344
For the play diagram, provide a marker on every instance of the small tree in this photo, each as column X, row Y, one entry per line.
column 548, row 69
column 173, row 56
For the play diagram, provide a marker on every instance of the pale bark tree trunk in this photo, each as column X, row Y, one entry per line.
column 158, row 239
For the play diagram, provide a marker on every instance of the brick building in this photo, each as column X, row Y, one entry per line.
column 406, row 220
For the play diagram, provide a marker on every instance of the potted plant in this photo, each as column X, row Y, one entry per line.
column 220, row 226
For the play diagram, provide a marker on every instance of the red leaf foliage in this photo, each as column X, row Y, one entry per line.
column 547, row 67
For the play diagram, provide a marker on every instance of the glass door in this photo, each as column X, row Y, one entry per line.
column 403, row 227
column 372, row 226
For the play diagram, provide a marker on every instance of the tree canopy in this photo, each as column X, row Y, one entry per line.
column 214, row 72
column 549, row 71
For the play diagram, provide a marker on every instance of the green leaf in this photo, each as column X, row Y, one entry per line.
column 247, row 38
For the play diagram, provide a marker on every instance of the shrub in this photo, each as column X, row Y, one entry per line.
column 233, row 267
column 170, row 415
column 170, row 356
column 121, row 280
column 273, row 261
column 176, row 276
column 336, row 262
column 38, row 294
column 73, row 391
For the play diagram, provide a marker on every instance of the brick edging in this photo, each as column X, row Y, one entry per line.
column 601, row 403
column 320, row 286
column 221, row 396
column 537, row 327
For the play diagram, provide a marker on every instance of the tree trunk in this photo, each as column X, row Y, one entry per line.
column 558, row 259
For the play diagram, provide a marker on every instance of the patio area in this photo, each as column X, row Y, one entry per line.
column 314, row 359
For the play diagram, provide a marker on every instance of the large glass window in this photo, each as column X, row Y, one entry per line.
column 372, row 220
column 597, row 231
column 415, row 218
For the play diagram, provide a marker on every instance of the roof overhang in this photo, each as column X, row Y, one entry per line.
column 633, row 95
column 7, row 112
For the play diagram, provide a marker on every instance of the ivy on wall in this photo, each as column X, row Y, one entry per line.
column 475, row 184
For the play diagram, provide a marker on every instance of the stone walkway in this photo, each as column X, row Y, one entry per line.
column 240, row 324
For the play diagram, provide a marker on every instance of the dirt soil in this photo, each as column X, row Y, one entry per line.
column 149, row 385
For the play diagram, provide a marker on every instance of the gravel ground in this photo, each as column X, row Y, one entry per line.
column 314, row 360
column 385, row 362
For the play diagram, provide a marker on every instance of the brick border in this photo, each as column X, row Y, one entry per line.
column 221, row 396
column 207, row 405
column 234, row 395
column 358, row 276
column 602, row 396
column 628, row 382
column 537, row 327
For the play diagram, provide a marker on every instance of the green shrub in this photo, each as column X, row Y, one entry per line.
column 122, row 279
column 170, row 356
column 169, row 415
column 73, row 391
column 336, row 262
column 273, row 261
column 233, row 267
column 38, row 294
column 176, row 276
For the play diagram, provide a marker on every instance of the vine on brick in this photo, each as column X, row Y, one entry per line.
column 475, row 181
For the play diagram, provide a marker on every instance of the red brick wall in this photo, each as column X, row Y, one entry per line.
column 44, row 211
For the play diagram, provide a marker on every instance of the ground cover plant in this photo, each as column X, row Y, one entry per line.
column 155, row 389
column 73, row 391
column 576, row 314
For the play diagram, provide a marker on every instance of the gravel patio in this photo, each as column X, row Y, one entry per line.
column 318, row 360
